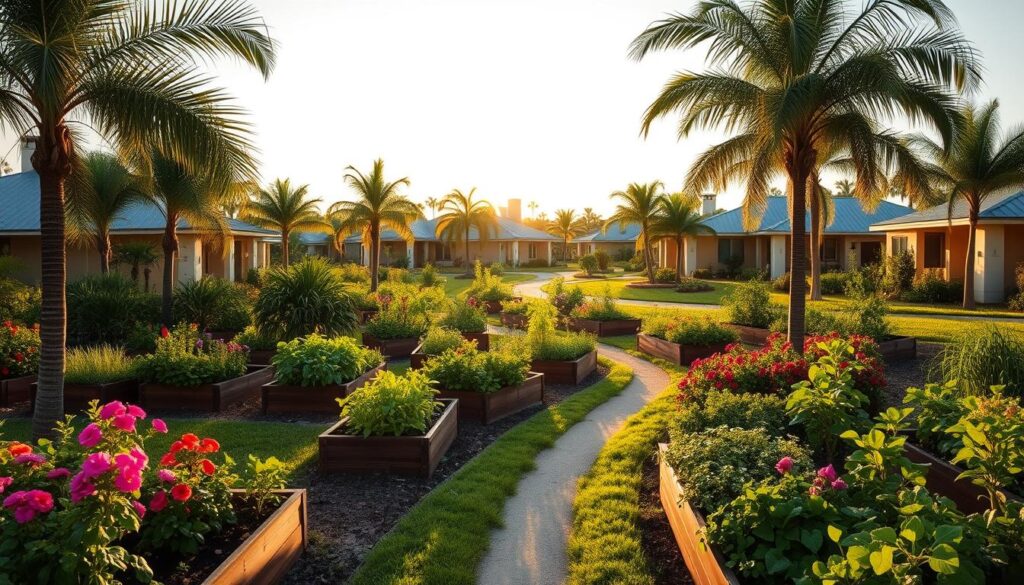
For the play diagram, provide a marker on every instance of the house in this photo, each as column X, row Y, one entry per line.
column 618, row 241
column 847, row 242
column 937, row 237
column 198, row 254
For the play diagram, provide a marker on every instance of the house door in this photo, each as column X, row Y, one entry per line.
column 238, row 261
column 870, row 253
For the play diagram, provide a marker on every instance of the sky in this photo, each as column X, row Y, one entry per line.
column 535, row 99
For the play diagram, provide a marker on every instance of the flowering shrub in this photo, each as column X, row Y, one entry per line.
column 468, row 317
column 317, row 361
column 185, row 358
column 19, row 350
column 689, row 330
column 564, row 298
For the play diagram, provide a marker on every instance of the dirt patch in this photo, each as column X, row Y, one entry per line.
column 905, row 374
column 659, row 544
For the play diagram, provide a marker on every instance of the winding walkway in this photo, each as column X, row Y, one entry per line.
column 531, row 548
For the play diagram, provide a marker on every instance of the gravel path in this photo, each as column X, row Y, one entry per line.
column 531, row 548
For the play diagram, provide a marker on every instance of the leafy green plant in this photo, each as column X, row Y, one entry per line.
column 833, row 283
column 992, row 436
column 98, row 365
column 496, row 268
column 19, row 302
column 391, row 405
column 898, row 273
column 563, row 297
column 588, row 263
column 467, row 369
column 395, row 320
column 938, row 407
column 982, row 357
column 487, row 286
column 352, row 272
column 603, row 260
column 665, row 275
column 689, row 330
column 515, row 307
column 932, row 288
column 19, row 350
column 107, row 308
column 317, row 361
column 744, row 411
column 251, row 338
column 604, row 309
column 186, row 358
column 307, row 297
column 430, row 277
column 688, row 284
column 545, row 343
column 214, row 303
column 750, row 304
column 467, row 317
column 438, row 340
column 262, row 479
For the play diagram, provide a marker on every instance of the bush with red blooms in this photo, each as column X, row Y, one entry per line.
column 19, row 350
column 774, row 368
column 192, row 497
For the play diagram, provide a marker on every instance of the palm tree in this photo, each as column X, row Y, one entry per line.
column 99, row 190
column 432, row 203
column 460, row 213
column 284, row 208
column 591, row 219
column 533, row 208
column 126, row 69
column 979, row 164
column 380, row 206
column 793, row 80
column 136, row 255
column 639, row 206
column 822, row 211
column 338, row 231
column 678, row 217
column 566, row 226
column 844, row 188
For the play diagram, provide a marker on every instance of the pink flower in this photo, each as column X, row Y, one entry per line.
column 81, row 487
column 112, row 409
column 814, row 491
column 27, row 504
column 159, row 425
column 96, row 464
column 90, row 436
column 784, row 465
column 140, row 509
column 125, row 422
column 58, row 473
column 30, row 459
column 136, row 411
column 159, row 501
column 129, row 476
column 140, row 457
column 166, row 476
column 828, row 473
column 4, row 482
column 839, row 484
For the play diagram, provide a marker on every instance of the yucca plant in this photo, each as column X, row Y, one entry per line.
column 307, row 297
column 982, row 357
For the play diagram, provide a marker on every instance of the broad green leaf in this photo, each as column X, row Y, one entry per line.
column 944, row 559
column 881, row 560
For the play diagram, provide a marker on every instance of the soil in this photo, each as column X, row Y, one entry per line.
column 659, row 544
column 349, row 513
column 908, row 374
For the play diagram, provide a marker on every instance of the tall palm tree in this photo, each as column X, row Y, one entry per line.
column 284, row 208
column 137, row 255
column 432, row 203
column 459, row 214
column 533, row 208
column 639, row 206
column 380, row 206
column 844, row 188
column 591, row 219
column 822, row 211
column 128, row 70
column 794, row 79
column 678, row 217
column 980, row 163
column 100, row 189
column 567, row 226
column 338, row 231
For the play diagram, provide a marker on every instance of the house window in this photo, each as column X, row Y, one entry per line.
column 729, row 248
column 935, row 250
column 830, row 250
column 446, row 252
column 531, row 251
column 900, row 245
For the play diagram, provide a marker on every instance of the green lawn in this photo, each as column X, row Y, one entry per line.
column 453, row 286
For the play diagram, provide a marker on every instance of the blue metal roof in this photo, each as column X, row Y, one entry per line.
column 850, row 217
column 19, row 210
column 616, row 232
column 424, row 230
column 314, row 238
column 1008, row 206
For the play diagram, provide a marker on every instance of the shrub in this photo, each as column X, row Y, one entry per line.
column 833, row 283
column 689, row 330
column 430, row 277
column 214, row 303
column 19, row 350
column 487, row 286
column 352, row 272
column 395, row 320
column 318, row 361
column 704, row 273
column 254, row 277
column 637, row 263
column 535, row 263
column 691, row 285
column 19, row 302
column 107, row 308
column 438, row 339
column 307, row 297
column 981, row 357
column 252, row 338
column 588, row 263
column 467, row 317
column 515, row 307
column 930, row 287
column 898, row 274
column 391, row 405
column 185, row 358
column 665, row 275
column 760, row 274
column 564, row 298
column 545, row 343
column 97, row 365
column 496, row 269
column 744, row 411
column 862, row 282
column 713, row 466
column 467, row 369
column 604, row 309
column 414, row 298
column 781, row 283
column 603, row 260
column 750, row 304
column 732, row 266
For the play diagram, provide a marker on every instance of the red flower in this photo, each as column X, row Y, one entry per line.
column 191, row 441
column 181, row 492
column 164, row 332
column 208, row 467
column 209, row 446
column 168, row 460
column 4, row 371
column 177, row 446
column 16, row 449
column 19, row 357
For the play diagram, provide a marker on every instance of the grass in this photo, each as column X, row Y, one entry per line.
column 442, row 540
column 453, row 286
column 295, row 444
column 626, row 342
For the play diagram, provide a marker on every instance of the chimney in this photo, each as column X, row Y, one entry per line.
column 710, row 203
column 28, row 148
column 502, row 211
column 515, row 210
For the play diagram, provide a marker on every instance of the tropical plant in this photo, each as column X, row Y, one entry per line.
column 591, row 220
column 306, row 297
column 981, row 357
column 466, row 369
column 107, row 308
column 285, row 209
column 136, row 255
column 187, row 358
column 638, row 205
column 750, row 304
column 805, row 82
column 98, row 364
column 213, row 303
column 460, row 214
column 845, row 188
column 99, row 191
column 678, row 218
column 432, row 204
column 821, row 210
column 467, row 317
column 978, row 164
column 319, row 361
column 380, row 206
column 391, row 405
column 566, row 225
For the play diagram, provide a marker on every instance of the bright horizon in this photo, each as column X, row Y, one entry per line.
column 531, row 99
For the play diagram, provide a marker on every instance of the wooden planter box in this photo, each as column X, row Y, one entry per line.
column 941, row 479
column 78, row 396
column 392, row 348
column 270, row 551
column 489, row 407
column 261, row 357
column 605, row 328
column 277, row 398
column 684, row 355
column 416, row 454
column 207, row 397
column 705, row 564
column 366, row 314
column 898, row 349
column 566, row 372
column 495, row 306
column 751, row 335
column 483, row 340
column 14, row 390
column 417, row 358
column 515, row 321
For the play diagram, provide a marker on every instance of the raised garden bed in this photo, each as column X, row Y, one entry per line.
column 566, row 372
column 78, row 396
column 941, row 477
column 515, row 320
column 418, row 454
column 483, row 340
column 207, row 397
column 261, row 357
column 605, row 328
column 751, row 335
column 495, row 306
column 14, row 390
column 366, row 314
column 417, row 358
column 898, row 348
column 279, row 398
column 392, row 348
column 491, row 406
column 676, row 353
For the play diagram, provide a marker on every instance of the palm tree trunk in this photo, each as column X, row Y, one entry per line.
column 285, row 247
column 565, row 250
column 972, row 230
column 103, row 246
column 679, row 259
column 170, row 245
column 469, row 265
column 374, row 257
column 815, row 247
column 49, row 406
column 648, row 256
column 798, row 261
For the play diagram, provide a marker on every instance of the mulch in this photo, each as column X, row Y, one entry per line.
column 663, row 555
column 908, row 373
